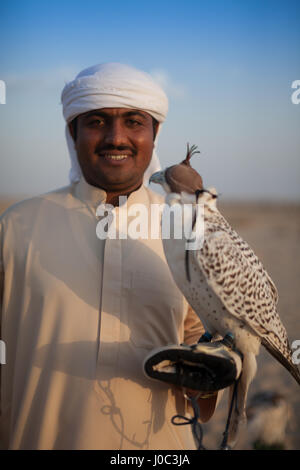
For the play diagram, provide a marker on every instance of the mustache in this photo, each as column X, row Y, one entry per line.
column 119, row 148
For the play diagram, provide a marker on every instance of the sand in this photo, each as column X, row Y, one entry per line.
column 273, row 231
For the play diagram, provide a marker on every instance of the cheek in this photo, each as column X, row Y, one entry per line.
column 86, row 139
column 145, row 145
column 85, row 149
column 85, row 145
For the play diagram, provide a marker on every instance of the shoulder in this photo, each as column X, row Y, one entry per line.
column 28, row 208
column 154, row 197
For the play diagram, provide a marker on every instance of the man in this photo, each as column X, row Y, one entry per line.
column 79, row 313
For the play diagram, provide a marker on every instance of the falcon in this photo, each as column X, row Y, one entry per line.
column 225, row 283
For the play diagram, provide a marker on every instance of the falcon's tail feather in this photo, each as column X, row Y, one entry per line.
column 292, row 368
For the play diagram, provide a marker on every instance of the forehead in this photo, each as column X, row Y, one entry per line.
column 117, row 112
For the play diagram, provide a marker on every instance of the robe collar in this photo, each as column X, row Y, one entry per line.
column 93, row 196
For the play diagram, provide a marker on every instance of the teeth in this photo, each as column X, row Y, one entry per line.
column 117, row 157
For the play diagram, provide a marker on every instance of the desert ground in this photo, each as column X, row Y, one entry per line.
column 273, row 231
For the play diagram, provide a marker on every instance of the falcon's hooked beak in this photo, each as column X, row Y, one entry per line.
column 158, row 177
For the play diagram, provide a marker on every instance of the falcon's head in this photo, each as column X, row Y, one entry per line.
column 179, row 178
column 183, row 179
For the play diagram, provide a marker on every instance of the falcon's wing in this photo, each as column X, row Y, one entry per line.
column 219, row 222
column 244, row 289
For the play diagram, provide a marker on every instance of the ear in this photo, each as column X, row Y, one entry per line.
column 72, row 129
column 155, row 128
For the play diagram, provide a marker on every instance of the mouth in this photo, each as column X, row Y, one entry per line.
column 115, row 158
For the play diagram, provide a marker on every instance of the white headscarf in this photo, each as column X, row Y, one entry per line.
column 112, row 85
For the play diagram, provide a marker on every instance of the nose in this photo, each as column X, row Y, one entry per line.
column 115, row 134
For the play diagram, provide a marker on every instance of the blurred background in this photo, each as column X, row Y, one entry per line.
column 227, row 67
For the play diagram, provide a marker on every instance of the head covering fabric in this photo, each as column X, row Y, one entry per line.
column 112, row 85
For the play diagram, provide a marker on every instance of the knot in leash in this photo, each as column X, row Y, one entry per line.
column 180, row 420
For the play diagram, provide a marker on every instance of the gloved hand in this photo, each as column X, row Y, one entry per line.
column 206, row 366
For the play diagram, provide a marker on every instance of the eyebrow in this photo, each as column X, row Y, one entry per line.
column 130, row 113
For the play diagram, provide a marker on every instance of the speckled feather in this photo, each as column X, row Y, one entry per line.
column 239, row 279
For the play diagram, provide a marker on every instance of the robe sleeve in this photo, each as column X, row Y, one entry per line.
column 193, row 328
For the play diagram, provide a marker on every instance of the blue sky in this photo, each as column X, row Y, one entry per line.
column 227, row 67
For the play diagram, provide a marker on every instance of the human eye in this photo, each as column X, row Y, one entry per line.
column 133, row 122
column 95, row 121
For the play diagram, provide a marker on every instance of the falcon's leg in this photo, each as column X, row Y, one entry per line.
column 206, row 337
column 232, row 400
column 239, row 410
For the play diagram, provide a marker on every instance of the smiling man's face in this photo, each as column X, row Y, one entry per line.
column 114, row 147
